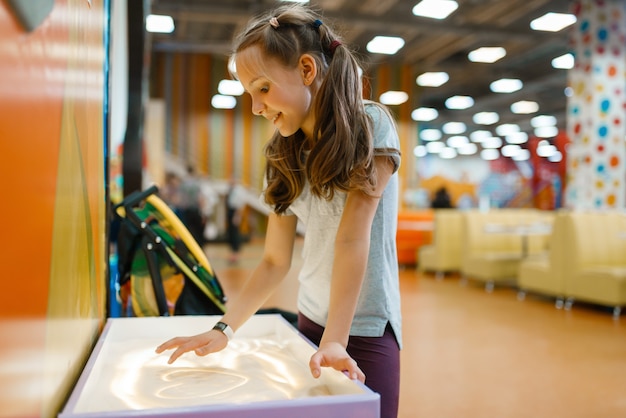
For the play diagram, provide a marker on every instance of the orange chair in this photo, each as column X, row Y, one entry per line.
column 415, row 228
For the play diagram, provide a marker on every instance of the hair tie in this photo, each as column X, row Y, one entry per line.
column 333, row 45
column 274, row 22
column 317, row 23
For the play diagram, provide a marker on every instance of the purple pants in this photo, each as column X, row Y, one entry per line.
column 377, row 357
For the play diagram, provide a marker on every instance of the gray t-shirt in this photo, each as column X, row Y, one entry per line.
column 379, row 301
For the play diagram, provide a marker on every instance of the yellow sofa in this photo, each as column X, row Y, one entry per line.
column 596, row 271
column 444, row 254
column 586, row 262
column 493, row 247
column 545, row 274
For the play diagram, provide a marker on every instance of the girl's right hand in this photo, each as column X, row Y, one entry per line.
column 202, row 344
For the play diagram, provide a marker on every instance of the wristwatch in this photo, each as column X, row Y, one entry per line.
column 225, row 329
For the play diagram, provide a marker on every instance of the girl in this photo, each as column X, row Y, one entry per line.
column 332, row 163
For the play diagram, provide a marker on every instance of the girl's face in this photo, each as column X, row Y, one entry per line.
column 280, row 94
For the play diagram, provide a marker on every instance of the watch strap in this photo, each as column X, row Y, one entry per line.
column 225, row 329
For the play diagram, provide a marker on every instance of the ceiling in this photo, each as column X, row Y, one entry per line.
column 208, row 26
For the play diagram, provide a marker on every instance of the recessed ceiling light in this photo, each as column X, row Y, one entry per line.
column 524, row 107
column 480, row 135
column 487, row 54
column 489, row 154
column 486, row 118
column 435, row 147
column 564, row 62
column 457, row 141
column 467, row 149
column 393, row 97
column 454, row 128
column 219, row 101
column 388, row 45
column 424, row 114
column 506, row 85
column 516, row 138
column 553, row 22
column 542, row 120
column 432, row 79
column 546, row 150
column 493, row 142
column 556, row 157
column 459, row 102
column 420, row 151
column 159, row 24
column 507, row 129
column 435, row 9
column 522, row 155
column 430, row 134
column 447, row 153
column 510, row 150
column 230, row 88
column 546, row 132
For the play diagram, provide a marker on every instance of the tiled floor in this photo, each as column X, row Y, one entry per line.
column 471, row 354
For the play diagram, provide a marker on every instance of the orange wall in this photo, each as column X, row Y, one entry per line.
column 52, row 252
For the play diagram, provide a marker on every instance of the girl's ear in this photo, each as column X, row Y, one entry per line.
column 308, row 68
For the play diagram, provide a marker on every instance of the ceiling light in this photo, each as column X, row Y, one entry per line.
column 424, row 114
column 510, row 150
column 459, row 102
column 524, row 107
column 432, row 79
column 430, row 134
column 385, row 45
column 219, row 101
column 522, row 155
column 564, row 62
column 516, row 138
column 553, row 22
column 487, row 54
column 453, row 128
column 457, row 141
column 392, row 97
column 420, row 151
column 493, row 142
column 489, row 154
column 230, row 87
column 507, row 129
column 486, row 118
column 159, row 24
column 448, row 153
column 506, row 85
column 467, row 149
column 546, row 132
column 435, row 147
column 480, row 135
column 542, row 120
column 546, row 150
column 435, row 9
column 556, row 157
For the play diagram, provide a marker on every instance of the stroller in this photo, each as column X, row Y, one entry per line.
column 162, row 269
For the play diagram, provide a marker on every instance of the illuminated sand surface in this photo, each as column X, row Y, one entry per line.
column 267, row 360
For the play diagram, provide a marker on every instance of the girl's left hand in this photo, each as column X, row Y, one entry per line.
column 333, row 355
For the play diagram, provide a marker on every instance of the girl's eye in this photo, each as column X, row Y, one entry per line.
column 264, row 89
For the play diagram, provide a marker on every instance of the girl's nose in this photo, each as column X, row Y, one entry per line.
column 257, row 108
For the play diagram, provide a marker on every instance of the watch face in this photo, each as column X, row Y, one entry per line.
column 220, row 326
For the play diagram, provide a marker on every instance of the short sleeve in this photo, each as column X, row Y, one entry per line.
column 386, row 141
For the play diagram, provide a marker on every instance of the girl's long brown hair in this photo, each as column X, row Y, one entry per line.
column 339, row 156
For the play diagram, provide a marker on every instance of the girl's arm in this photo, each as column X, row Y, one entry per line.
column 350, row 262
column 272, row 269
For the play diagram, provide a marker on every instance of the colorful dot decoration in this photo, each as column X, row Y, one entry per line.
column 597, row 174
